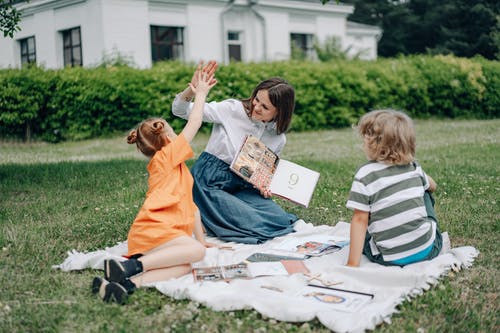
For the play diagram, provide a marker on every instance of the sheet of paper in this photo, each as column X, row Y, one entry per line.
column 266, row 268
column 294, row 182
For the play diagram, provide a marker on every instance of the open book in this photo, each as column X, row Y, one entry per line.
column 306, row 247
column 260, row 166
column 248, row 270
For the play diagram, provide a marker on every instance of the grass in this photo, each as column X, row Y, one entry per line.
column 84, row 195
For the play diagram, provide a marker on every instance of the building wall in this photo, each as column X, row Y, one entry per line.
column 123, row 27
column 125, row 30
column 364, row 47
column 203, row 31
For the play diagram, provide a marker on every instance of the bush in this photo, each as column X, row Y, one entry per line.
column 79, row 103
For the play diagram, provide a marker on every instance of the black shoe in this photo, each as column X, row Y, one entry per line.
column 96, row 284
column 115, row 292
column 117, row 271
column 109, row 291
column 128, row 285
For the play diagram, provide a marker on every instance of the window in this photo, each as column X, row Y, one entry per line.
column 302, row 46
column 28, row 50
column 72, row 47
column 234, row 46
column 167, row 43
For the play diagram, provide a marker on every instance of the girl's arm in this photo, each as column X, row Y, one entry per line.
column 359, row 224
column 205, row 82
column 180, row 106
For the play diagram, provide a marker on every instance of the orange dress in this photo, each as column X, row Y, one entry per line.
column 168, row 210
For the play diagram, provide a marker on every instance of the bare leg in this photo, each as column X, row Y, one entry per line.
column 161, row 274
column 179, row 251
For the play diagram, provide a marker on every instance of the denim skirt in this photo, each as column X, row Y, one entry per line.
column 231, row 209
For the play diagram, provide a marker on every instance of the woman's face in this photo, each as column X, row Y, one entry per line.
column 263, row 109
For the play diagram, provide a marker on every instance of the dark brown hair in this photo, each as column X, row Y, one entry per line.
column 281, row 95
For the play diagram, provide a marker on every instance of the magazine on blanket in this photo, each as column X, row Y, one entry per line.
column 260, row 166
column 334, row 298
column 313, row 246
column 248, row 270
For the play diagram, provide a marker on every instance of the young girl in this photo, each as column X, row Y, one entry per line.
column 160, row 243
column 231, row 208
column 394, row 221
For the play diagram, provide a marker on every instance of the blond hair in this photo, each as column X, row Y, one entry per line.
column 389, row 136
column 149, row 136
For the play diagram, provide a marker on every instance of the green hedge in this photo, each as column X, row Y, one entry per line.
column 78, row 103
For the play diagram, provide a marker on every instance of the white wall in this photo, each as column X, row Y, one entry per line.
column 203, row 33
column 277, row 34
column 125, row 29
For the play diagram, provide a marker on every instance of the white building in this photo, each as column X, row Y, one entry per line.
column 58, row 33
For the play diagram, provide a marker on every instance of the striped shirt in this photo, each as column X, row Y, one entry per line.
column 394, row 197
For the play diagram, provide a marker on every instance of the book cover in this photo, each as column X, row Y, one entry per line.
column 248, row 270
column 261, row 167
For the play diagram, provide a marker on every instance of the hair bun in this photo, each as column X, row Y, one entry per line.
column 132, row 137
column 158, row 126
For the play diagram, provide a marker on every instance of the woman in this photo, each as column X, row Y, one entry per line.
column 231, row 208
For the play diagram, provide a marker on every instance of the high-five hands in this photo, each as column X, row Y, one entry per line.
column 208, row 68
column 205, row 80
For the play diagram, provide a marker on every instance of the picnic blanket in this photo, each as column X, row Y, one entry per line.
column 276, row 296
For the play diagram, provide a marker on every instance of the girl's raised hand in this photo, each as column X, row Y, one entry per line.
column 209, row 69
column 205, row 82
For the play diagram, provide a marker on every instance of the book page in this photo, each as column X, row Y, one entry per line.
column 333, row 298
column 316, row 245
column 266, row 269
column 255, row 162
column 294, row 182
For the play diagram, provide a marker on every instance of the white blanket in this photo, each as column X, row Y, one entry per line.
column 390, row 285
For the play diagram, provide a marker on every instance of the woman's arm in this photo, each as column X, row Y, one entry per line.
column 359, row 224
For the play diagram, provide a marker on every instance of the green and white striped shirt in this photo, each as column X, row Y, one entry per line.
column 394, row 197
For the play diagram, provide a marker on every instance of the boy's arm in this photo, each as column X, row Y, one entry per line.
column 359, row 224
column 432, row 184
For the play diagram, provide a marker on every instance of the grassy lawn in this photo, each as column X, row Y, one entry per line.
column 84, row 195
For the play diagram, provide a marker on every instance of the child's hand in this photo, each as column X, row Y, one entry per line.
column 209, row 68
column 206, row 81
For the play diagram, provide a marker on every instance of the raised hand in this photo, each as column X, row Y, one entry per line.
column 205, row 81
column 208, row 68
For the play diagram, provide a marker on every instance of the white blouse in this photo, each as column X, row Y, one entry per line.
column 230, row 126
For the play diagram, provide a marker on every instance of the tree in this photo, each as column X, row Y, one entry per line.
column 461, row 27
column 9, row 17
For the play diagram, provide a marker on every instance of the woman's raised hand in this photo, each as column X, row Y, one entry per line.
column 208, row 68
column 205, row 82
